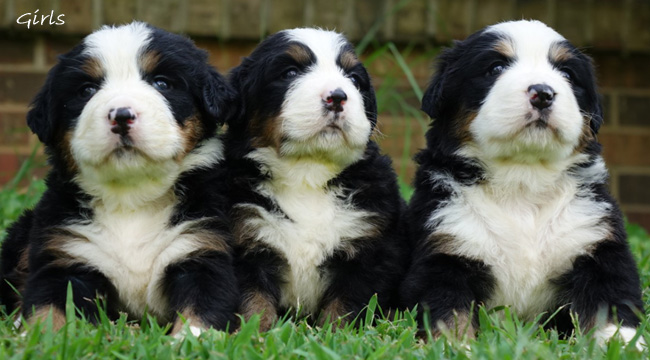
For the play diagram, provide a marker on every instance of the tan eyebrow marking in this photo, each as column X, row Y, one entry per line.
column 148, row 61
column 348, row 59
column 299, row 53
column 559, row 52
column 505, row 47
column 93, row 67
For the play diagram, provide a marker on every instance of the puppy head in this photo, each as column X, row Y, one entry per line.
column 516, row 90
column 126, row 99
column 306, row 94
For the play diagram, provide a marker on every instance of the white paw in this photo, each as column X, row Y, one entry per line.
column 625, row 333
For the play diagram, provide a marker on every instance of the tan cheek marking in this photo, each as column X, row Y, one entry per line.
column 93, row 68
column 42, row 313
column 192, row 132
column 506, row 48
column 256, row 302
column 266, row 132
column 585, row 137
column 149, row 61
column 65, row 148
column 462, row 126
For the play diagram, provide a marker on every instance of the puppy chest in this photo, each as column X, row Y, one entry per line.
column 132, row 250
column 312, row 226
column 526, row 244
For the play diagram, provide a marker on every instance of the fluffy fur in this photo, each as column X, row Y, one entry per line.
column 133, row 214
column 316, row 209
column 511, row 205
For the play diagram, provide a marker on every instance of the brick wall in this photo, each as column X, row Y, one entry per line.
column 615, row 33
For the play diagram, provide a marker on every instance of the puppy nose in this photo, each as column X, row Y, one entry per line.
column 121, row 120
column 336, row 100
column 541, row 95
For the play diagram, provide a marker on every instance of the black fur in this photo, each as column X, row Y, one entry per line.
column 603, row 280
column 203, row 281
column 370, row 185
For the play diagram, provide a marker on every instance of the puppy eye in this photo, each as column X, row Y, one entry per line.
column 290, row 73
column 496, row 69
column 160, row 83
column 87, row 91
column 355, row 81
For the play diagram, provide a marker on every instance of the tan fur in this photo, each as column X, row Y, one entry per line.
column 506, row 48
column 187, row 316
column 334, row 311
column 560, row 53
column 458, row 326
column 348, row 59
column 42, row 313
column 149, row 61
column 259, row 303
column 93, row 67
column 192, row 132
column 266, row 132
column 299, row 54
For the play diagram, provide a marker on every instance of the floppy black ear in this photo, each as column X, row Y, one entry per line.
column 41, row 117
column 597, row 115
column 370, row 105
column 238, row 79
column 218, row 97
column 432, row 99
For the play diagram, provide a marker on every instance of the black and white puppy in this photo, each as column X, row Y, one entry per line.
column 511, row 205
column 316, row 208
column 133, row 213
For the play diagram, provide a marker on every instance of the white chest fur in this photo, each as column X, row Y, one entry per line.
column 527, row 238
column 132, row 248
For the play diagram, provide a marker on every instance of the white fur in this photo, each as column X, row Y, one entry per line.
column 530, row 218
column 132, row 246
column 128, row 178
column 303, row 120
column 318, row 223
column 500, row 128
column 626, row 334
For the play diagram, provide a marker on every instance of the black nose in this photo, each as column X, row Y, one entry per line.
column 541, row 95
column 336, row 99
column 121, row 119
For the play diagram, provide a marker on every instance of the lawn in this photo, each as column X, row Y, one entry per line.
column 501, row 336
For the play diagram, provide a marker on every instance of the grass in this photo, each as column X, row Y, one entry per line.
column 502, row 335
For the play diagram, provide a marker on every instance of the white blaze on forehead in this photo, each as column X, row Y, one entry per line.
column 531, row 39
column 326, row 45
column 118, row 48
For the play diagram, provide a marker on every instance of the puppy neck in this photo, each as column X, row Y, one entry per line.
column 151, row 184
column 295, row 171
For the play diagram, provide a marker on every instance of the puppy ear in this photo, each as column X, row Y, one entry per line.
column 370, row 105
column 217, row 95
column 236, row 79
column 432, row 99
column 40, row 117
column 596, row 119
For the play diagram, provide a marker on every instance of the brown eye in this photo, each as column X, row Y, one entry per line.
column 87, row 91
column 496, row 69
column 290, row 73
column 160, row 83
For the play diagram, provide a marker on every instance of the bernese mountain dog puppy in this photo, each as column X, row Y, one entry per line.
column 133, row 217
column 316, row 208
column 511, row 205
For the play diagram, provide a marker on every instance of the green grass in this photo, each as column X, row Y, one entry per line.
column 501, row 335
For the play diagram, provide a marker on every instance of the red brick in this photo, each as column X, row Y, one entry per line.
column 16, row 50
column 58, row 45
column 634, row 110
column 9, row 164
column 634, row 189
column 13, row 129
column 641, row 218
column 616, row 71
column 19, row 87
column 625, row 149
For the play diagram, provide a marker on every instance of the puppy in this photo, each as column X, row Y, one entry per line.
column 133, row 215
column 316, row 209
column 511, row 205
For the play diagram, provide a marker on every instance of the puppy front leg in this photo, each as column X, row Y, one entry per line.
column 447, row 286
column 203, row 290
column 46, row 292
column 605, row 284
